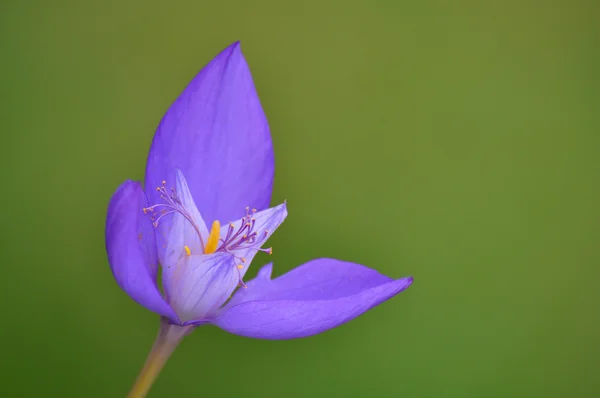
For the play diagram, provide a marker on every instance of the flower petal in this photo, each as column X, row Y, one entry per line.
column 217, row 133
column 265, row 223
column 199, row 285
column 184, row 231
column 310, row 299
column 131, row 248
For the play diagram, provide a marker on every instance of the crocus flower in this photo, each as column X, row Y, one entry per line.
column 204, row 214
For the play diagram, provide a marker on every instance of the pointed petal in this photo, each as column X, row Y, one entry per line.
column 265, row 223
column 310, row 299
column 185, row 230
column 199, row 285
column 131, row 248
column 217, row 133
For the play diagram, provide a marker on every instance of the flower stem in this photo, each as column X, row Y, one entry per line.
column 167, row 340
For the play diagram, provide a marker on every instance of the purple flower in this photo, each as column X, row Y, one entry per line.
column 203, row 215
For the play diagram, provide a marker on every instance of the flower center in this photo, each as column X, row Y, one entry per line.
column 246, row 236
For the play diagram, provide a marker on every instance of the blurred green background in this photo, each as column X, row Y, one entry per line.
column 457, row 142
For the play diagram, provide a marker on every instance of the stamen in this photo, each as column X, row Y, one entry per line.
column 173, row 204
column 188, row 252
column 213, row 238
column 230, row 230
column 245, row 237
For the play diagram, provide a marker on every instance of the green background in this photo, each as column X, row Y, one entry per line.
column 453, row 141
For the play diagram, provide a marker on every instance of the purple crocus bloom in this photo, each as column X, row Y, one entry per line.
column 203, row 215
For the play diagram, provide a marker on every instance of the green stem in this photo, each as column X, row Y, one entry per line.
column 167, row 340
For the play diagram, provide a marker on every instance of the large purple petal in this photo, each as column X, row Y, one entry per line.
column 216, row 132
column 131, row 248
column 310, row 299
